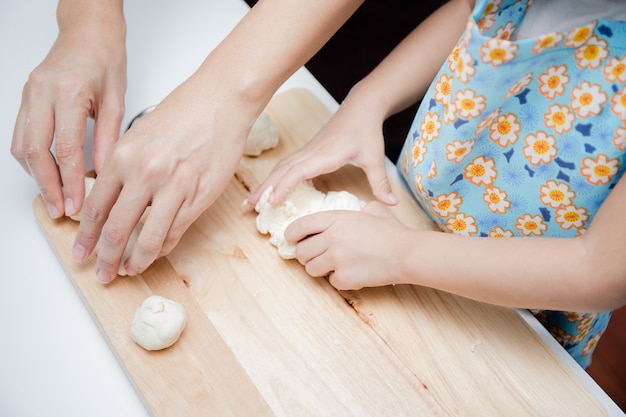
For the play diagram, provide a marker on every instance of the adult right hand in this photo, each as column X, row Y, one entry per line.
column 83, row 75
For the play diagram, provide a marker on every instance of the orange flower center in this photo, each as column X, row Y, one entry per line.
column 477, row 170
column 541, row 147
column 601, row 171
column 504, row 127
column 557, row 195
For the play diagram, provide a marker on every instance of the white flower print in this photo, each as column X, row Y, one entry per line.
column 552, row 82
column 559, row 118
column 531, row 225
column 505, row 32
column 446, row 204
column 464, row 68
column 587, row 99
column 505, row 130
column 539, row 148
column 462, row 225
column 615, row 70
column 430, row 126
column 497, row 51
column 456, row 150
column 468, row 104
column 519, row 86
column 443, row 87
column 619, row 104
column 592, row 53
column 487, row 121
column 578, row 36
column 499, row 232
column 600, row 170
column 548, row 41
column 496, row 200
column 620, row 139
column 556, row 194
column 571, row 216
column 481, row 171
column 419, row 149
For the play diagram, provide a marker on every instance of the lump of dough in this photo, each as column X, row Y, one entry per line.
column 263, row 135
column 88, row 186
column 89, row 181
column 304, row 199
column 158, row 323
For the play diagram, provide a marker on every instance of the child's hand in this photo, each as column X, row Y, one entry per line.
column 356, row 249
column 353, row 136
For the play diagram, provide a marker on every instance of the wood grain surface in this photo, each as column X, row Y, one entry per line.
column 265, row 339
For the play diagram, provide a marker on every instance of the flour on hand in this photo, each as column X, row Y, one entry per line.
column 304, row 199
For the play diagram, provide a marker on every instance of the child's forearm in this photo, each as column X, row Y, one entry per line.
column 586, row 273
column 404, row 75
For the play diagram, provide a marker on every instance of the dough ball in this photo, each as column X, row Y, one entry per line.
column 158, row 323
column 304, row 199
column 263, row 135
column 89, row 181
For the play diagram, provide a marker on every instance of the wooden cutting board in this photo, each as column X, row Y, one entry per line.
column 265, row 339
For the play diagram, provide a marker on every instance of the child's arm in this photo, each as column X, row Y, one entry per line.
column 371, row 248
column 354, row 134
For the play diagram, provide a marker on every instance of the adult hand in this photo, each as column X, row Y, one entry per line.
column 176, row 160
column 352, row 136
column 355, row 249
column 83, row 75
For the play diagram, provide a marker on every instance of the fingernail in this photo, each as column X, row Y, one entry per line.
column 103, row 276
column 70, row 208
column 79, row 252
column 53, row 211
column 392, row 198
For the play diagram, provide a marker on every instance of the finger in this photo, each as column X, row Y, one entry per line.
column 38, row 131
column 106, row 130
column 308, row 225
column 96, row 208
column 158, row 221
column 310, row 248
column 70, row 126
column 17, row 142
column 379, row 182
column 116, row 231
column 289, row 173
column 319, row 266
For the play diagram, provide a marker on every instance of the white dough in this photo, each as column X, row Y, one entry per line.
column 304, row 199
column 88, row 186
column 263, row 135
column 158, row 323
column 89, row 181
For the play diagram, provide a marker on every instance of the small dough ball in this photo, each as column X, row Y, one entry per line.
column 88, row 186
column 302, row 200
column 263, row 135
column 158, row 323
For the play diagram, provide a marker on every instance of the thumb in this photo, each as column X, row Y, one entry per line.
column 379, row 181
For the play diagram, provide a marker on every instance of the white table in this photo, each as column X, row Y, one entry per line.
column 53, row 359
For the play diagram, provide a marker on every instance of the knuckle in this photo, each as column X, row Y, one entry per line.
column 67, row 149
column 90, row 213
column 148, row 247
column 113, row 235
column 28, row 152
